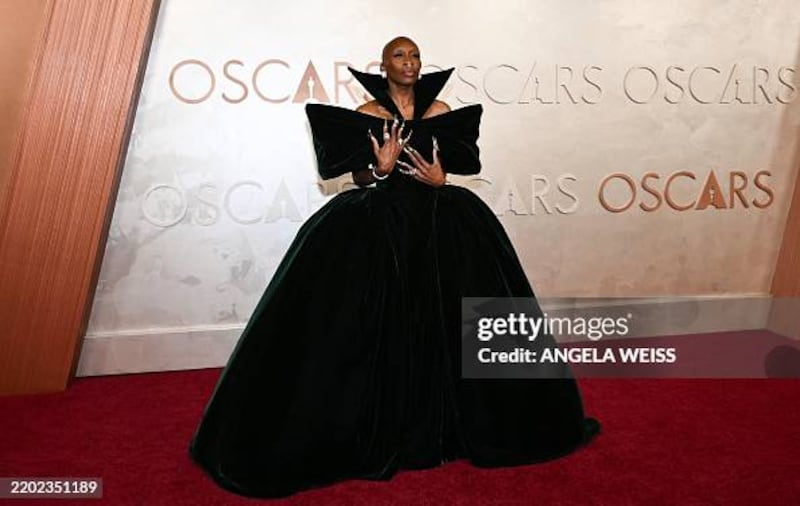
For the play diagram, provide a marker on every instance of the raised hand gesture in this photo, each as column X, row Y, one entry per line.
column 430, row 173
column 393, row 143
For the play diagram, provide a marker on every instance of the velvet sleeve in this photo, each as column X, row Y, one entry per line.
column 457, row 134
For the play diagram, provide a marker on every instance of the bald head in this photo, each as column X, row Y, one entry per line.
column 392, row 43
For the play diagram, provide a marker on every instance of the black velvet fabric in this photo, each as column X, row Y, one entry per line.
column 339, row 134
column 350, row 365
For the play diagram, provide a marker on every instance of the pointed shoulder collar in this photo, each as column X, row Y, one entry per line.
column 426, row 89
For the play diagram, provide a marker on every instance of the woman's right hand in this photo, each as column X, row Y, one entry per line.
column 387, row 154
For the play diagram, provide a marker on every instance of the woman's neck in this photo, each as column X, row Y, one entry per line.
column 403, row 97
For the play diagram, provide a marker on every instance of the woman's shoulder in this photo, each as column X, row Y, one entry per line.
column 436, row 108
column 374, row 108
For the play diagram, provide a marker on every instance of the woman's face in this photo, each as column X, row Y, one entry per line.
column 402, row 62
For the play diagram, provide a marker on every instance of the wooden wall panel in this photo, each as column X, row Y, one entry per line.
column 22, row 29
column 784, row 317
column 786, row 282
column 63, row 181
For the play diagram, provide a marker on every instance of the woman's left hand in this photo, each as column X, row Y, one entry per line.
column 429, row 173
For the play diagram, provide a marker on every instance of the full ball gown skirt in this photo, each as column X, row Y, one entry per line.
column 350, row 364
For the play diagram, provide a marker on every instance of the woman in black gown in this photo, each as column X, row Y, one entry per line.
column 350, row 365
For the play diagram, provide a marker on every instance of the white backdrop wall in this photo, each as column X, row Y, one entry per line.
column 603, row 123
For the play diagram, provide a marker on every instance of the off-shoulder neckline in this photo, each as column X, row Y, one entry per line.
column 426, row 89
column 345, row 110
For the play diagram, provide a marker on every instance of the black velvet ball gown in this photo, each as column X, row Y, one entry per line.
column 350, row 364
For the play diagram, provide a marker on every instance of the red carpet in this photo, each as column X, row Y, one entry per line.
column 664, row 441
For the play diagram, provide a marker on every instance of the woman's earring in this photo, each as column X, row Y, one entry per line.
column 383, row 74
